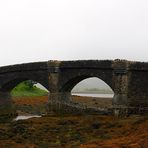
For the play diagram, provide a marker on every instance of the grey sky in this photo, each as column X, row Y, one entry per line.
column 38, row 30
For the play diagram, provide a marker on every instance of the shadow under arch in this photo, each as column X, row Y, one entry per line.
column 100, row 99
column 68, row 86
column 11, row 84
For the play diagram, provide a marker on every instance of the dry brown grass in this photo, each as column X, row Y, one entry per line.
column 88, row 101
column 93, row 101
column 30, row 100
column 89, row 131
column 76, row 131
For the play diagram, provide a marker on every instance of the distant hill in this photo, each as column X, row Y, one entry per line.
column 94, row 90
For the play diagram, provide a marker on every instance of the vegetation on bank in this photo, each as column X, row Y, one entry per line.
column 89, row 131
column 27, row 89
column 31, row 105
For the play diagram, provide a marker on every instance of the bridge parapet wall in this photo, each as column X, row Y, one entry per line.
column 138, row 66
column 24, row 67
column 102, row 64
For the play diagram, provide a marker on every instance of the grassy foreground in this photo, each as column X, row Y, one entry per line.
column 76, row 131
column 87, row 131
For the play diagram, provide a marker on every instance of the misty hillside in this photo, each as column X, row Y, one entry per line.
column 92, row 84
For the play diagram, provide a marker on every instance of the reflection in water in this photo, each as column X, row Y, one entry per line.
column 25, row 117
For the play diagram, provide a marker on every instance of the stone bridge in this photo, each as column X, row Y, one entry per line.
column 128, row 80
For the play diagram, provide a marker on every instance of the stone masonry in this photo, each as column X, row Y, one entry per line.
column 127, row 79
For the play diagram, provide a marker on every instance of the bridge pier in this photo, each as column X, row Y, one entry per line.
column 121, row 90
column 56, row 97
column 57, row 101
column 7, row 109
column 121, row 81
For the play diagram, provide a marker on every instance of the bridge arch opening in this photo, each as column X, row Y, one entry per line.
column 92, row 92
column 29, row 98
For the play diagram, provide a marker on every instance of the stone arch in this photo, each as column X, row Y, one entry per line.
column 70, row 79
column 9, row 85
column 69, row 85
column 92, row 95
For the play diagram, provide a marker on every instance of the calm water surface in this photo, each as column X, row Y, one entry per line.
column 94, row 95
column 25, row 117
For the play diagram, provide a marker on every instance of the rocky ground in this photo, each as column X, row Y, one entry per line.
column 76, row 131
column 38, row 105
column 84, row 131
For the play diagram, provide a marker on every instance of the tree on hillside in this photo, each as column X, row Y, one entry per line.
column 30, row 83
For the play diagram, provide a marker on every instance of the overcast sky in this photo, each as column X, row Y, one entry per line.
column 38, row 30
